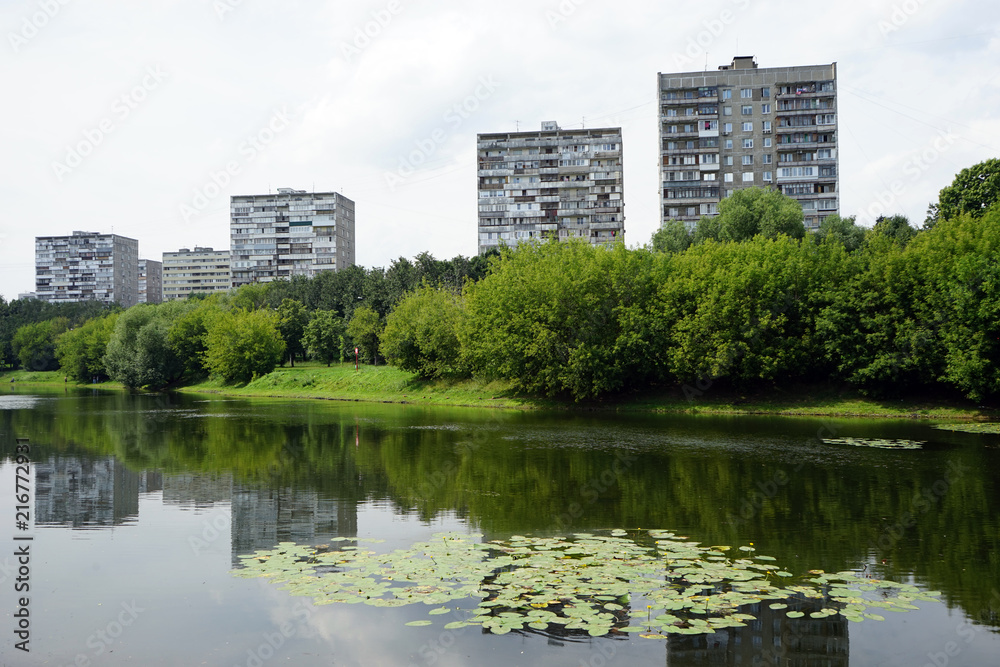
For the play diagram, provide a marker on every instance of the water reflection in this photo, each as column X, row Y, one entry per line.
column 300, row 472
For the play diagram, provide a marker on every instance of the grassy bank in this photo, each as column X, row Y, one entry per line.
column 390, row 385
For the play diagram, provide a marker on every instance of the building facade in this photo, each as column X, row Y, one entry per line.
column 87, row 266
column 553, row 183
column 291, row 233
column 201, row 271
column 744, row 126
column 150, row 281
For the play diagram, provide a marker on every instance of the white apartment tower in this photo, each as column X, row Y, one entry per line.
column 87, row 266
column 553, row 183
column 201, row 271
column 291, row 233
column 745, row 126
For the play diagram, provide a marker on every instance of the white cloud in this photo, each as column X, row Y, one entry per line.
column 356, row 119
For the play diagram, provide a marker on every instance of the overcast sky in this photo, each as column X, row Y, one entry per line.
column 142, row 118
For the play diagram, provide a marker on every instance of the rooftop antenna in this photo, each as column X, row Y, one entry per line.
column 517, row 126
column 584, row 122
column 706, row 60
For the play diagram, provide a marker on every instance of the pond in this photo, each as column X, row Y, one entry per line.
column 391, row 528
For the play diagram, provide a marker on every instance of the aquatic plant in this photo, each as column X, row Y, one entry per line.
column 652, row 583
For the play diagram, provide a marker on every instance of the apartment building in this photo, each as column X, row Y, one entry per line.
column 290, row 233
column 198, row 271
column 150, row 281
column 87, row 266
column 745, row 126
column 553, row 183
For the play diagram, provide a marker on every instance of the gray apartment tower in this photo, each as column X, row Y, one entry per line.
column 150, row 281
column 291, row 233
column 87, row 266
column 745, row 126
column 553, row 183
column 201, row 271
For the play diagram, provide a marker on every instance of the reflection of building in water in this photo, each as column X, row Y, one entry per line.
column 264, row 517
column 772, row 639
column 85, row 493
column 193, row 490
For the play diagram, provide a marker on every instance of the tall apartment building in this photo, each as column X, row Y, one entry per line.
column 742, row 126
column 87, row 266
column 150, row 281
column 291, row 233
column 201, row 271
column 553, row 183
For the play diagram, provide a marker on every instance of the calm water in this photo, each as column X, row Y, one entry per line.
column 143, row 504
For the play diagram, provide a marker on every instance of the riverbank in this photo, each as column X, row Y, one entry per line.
column 341, row 382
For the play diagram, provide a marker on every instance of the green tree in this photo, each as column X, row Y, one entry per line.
column 958, row 293
column 709, row 228
column 974, row 191
column 673, row 236
column 896, row 227
column 139, row 353
column 34, row 344
column 187, row 335
column 421, row 333
column 324, row 335
column 81, row 350
column 292, row 320
column 244, row 344
column 364, row 328
column 752, row 211
column 563, row 318
column 844, row 231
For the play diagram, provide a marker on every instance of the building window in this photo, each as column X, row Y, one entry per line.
column 728, row 160
column 728, row 178
column 767, row 142
column 748, row 177
column 727, row 111
column 765, row 92
column 727, row 94
column 748, row 126
column 767, row 126
column 748, row 143
column 709, row 176
column 747, row 110
column 747, row 159
column 765, row 108
column 767, row 158
column 767, row 177
column 729, row 144
column 746, row 93
column 727, row 128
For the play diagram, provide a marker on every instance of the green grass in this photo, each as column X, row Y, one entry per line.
column 386, row 384
column 377, row 384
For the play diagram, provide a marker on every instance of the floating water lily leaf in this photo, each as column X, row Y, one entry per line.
column 973, row 427
column 590, row 584
column 877, row 443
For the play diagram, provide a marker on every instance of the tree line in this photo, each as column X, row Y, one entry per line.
column 744, row 299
